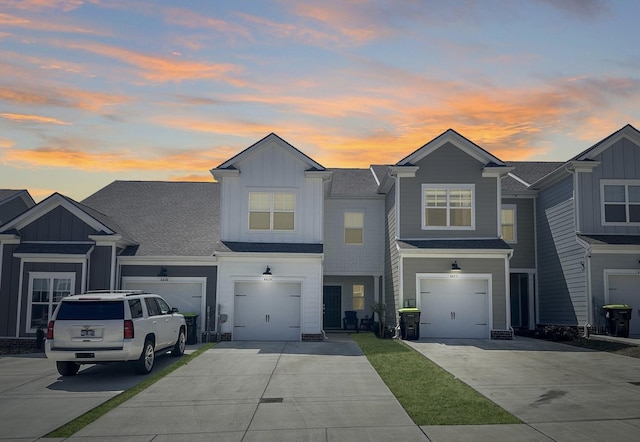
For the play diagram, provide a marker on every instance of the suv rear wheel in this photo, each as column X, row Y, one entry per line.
column 67, row 368
column 178, row 349
column 144, row 364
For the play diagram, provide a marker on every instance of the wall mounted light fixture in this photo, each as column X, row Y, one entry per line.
column 455, row 267
column 266, row 275
column 163, row 272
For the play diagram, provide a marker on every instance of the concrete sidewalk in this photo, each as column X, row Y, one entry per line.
column 264, row 391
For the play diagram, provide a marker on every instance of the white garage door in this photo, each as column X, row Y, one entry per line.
column 186, row 296
column 625, row 289
column 267, row 312
column 454, row 308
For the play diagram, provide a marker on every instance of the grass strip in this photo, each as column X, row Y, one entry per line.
column 92, row 415
column 429, row 394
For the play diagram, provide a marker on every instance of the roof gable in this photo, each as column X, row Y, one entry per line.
column 627, row 131
column 453, row 137
column 231, row 163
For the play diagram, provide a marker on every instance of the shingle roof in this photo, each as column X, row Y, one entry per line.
column 611, row 239
column 8, row 193
column 165, row 218
column 353, row 183
column 475, row 244
column 255, row 247
column 532, row 171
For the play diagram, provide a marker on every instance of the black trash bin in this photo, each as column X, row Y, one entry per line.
column 409, row 323
column 192, row 327
column 617, row 316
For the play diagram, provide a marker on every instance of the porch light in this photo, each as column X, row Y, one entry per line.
column 455, row 267
column 163, row 272
column 266, row 275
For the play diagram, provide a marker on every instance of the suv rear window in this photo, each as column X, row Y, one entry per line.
column 76, row 310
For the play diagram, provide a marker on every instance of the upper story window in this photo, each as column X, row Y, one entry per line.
column 353, row 227
column 45, row 292
column 509, row 230
column 620, row 202
column 448, row 206
column 272, row 210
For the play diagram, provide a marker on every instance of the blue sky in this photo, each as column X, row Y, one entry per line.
column 92, row 90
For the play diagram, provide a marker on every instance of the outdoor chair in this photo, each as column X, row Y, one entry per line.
column 350, row 319
column 367, row 322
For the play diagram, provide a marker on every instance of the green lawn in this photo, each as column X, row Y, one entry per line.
column 90, row 416
column 429, row 394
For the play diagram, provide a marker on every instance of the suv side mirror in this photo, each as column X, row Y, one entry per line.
column 174, row 310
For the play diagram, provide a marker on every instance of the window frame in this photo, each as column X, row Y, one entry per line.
column 51, row 305
column 620, row 182
column 272, row 211
column 344, row 217
column 513, row 207
column 448, row 188
column 359, row 298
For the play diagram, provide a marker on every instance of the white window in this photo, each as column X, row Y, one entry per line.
column 449, row 206
column 509, row 217
column 620, row 202
column 45, row 292
column 358, row 297
column 272, row 210
column 353, row 227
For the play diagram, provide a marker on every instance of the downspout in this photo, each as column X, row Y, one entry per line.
column 587, row 269
column 507, row 286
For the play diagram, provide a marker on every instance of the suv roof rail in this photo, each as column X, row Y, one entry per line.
column 120, row 292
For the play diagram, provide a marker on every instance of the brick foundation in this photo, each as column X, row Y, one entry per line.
column 315, row 337
column 225, row 337
column 504, row 335
column 18, row 345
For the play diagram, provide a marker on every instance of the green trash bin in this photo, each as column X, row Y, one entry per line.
column 409, row 323
column 617, row 316
column 192, row 327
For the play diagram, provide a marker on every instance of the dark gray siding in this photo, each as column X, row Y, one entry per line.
column 8, row 290
column 494, row 266
column 47, row 267
column 209, row 272
column 57, row 225
column 448, row 165
column 620, row 161
column 524, row 256
column 347, row 283
column 391, row 277
column 11, row 209
column 100, row 268
column 561, row 281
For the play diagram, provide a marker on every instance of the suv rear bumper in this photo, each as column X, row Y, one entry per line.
column 88, row 355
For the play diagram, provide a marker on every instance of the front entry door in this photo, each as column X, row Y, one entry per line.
column 519, row 300
column 332, row 299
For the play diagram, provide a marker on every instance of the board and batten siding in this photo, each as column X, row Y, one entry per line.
column 100, row 268
column 448, row 165
column 57, row 225
column 8, row 288
column 11, row 209
column 561, row 274
column 621, row 161
column 391, row 258
column 524, row 256
column 272, row 169
column 341, row 258
column 493, row 266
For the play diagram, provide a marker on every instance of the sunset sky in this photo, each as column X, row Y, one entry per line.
column 93, row 91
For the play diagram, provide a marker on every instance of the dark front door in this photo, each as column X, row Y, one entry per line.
column 519, row 300
column 332, row 299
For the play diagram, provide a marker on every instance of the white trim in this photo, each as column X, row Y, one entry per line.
column 615, row 272
column 397, row 207
column 576, row 203
column 499, row 207
column 513, row 207
column 612, row 249
column 45, row 275
column 518, row 179
column 174, row 280
column 627, row 203
column 112, row 276
column 507, row 290
column 443, row 253
column 272, row 211
column 448, row 188
column 626, row 132
column 168, row 260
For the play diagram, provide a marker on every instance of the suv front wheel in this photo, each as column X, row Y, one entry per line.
column 144, row 364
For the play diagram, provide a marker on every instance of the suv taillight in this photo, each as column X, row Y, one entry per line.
column 50, row 330
column 128, row 329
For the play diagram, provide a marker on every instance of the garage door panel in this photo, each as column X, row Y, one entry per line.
column 625, row 289
column 267, row 312
column 454, row 308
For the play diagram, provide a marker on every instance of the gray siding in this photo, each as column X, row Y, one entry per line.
column 8, row 290
column 561, row 279
column 495, row 267
column 100, row 268
column 524, row 256
column 620, row 161
column 391, row 281
column 57, row 225
column 347, row 283
column 448, row 165
column 11, row 209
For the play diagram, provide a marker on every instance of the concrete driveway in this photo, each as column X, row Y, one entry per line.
column 565, row 393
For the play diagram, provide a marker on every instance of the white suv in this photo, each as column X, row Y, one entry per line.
column 100, row 327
